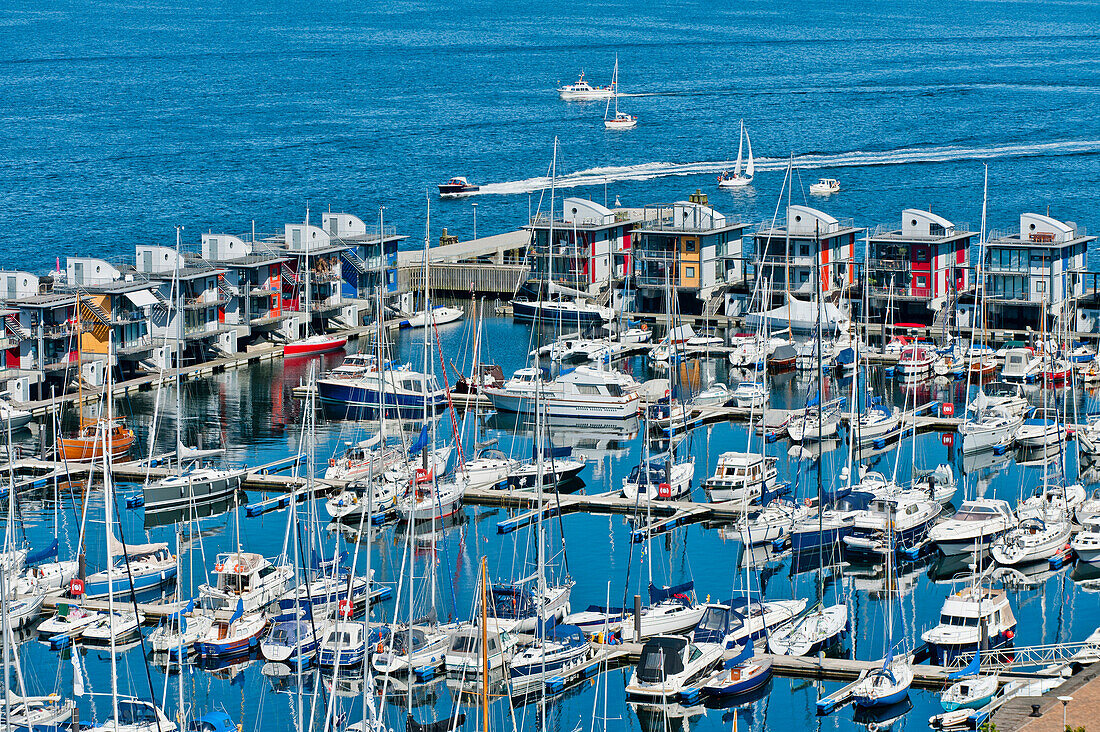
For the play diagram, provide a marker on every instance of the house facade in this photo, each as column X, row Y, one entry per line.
column 809, row 249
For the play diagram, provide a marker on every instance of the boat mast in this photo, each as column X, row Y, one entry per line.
column 108, row 503
column 175, row 294
column 484, row 649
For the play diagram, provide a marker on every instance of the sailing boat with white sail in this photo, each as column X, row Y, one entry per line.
column 737, row 180
column 621, row 120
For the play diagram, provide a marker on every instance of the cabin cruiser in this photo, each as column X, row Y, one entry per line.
column 825, row 186
column 118, row 625
column 974, row 527
column 662, row 477
column 582, row 91
column 366, row 458
column 69, row 622
column 402, row 392
column 916, row 361
column 581, row 392
column 1054, row 496
column 909, row 519
column 970, row 693
column 741, row 476
column 972, row 618
column 1086, row 544
column 465, row 656
column 992, row 427
column 1035, row 538
column 750, row 395
column 819, row 629
column 457, row 186
column 668, row 664
column 716, row 395
column 1041, row 429
column 345, row 644
column 429, row 644
column 562, row 650
column 1021, row 364
column 245, row 577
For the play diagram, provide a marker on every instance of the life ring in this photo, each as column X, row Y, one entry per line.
column 332, row 462
column 218, row 567
column 645, row 326
column 236, row 568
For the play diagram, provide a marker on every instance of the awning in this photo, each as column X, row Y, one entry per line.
column 141, row 298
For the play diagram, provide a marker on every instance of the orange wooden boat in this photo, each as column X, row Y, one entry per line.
column 87, row 444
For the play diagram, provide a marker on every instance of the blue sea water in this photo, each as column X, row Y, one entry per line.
column 121, row 120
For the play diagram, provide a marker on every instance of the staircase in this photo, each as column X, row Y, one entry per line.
column 290, row 277
column 353, row 260
column 226, row 290
column 712, row 305
column 12, row 326
column 100, row 320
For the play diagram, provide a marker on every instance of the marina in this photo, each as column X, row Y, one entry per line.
column 367, row 369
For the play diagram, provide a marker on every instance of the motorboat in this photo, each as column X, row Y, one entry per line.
column 582, row 392
column 1021, row 364
column 575, row 312
column 314, row 345
column 819, row 629
column 240, row 634
column 669, row 664
column 415, row 647
column 67, row 623
column 741, row 476
column 401, row 391
column 916, row 362
column 438, row 315
column 966, row 618
column 1053, row 497
column 196, row 485
column 137, row 715
column 1000, row 395
column 326, row 592
column 355, row 364
column 457, row 186
column 582, row 91
column 465, row 656
column 371, row 457
column 937, row 484
column 737, row 180
column 118, row 625
column 1086, row 544
column 661, row 477
column 825, row 186
column 750, row 395
column 245, row 577
column 974, row 527
column 559, row 652
column 883, row 686
column 558, row 466
column 1033, row 539
column 1041, row 429
column 993, row 427
column 907, row 518
column 597, row 619
column 344, row 644
column 827, row 531
column 48, row 577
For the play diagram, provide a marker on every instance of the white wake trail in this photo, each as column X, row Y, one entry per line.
column 649, row 171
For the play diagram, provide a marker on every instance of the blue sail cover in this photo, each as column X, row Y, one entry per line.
column 747, row 652
column 421, row 441
column 238, row 612
column 41, row 554
column 660, row 594
column 972, row 669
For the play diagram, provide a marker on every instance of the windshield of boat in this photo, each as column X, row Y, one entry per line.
column 401, row 641
column 132, row 713
column 976, row 513
column 713, row 619
column 946, row 619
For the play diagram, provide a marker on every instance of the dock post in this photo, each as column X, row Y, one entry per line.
column 637, row 618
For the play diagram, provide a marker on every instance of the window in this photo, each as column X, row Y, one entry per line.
column 689, row 245
column 689, row 272
column 804, row 250
column 1040, row 286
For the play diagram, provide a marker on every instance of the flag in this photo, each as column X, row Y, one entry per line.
column 78, row 673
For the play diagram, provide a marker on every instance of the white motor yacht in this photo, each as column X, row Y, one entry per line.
column 967, row 617
column 825, row 186
column 247, row 577
column 582, row 392
column 668, row 664
column 582, row 91
column 741, row 476
column 1041, row 429
column 974, row 527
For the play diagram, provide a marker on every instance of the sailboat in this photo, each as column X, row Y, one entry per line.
column 737, row 180
column 317, row 343
column 621, row 120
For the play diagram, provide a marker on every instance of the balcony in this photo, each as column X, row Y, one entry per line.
column 205, row 302
column 888, row 265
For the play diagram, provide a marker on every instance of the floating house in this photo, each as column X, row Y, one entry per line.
column 369, row 257
column 919, row 268
column 809, row 249
column 251, row 284
column 687, row 247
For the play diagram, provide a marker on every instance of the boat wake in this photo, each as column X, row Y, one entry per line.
column 648, row 171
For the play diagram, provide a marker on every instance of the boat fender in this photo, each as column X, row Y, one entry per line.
column 379, row 647
column 332, row 462
column 1010, row 634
